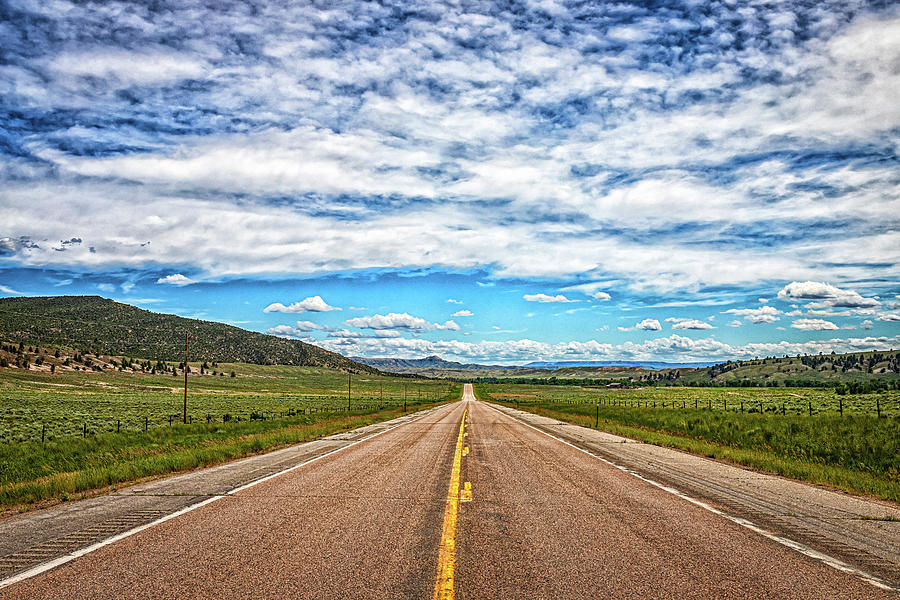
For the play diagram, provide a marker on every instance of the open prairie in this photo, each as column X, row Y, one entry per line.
column 806, row 433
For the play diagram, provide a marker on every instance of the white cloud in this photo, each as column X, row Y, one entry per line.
column 452, row 301
column 891, row 317
column 402, row 321
column 736, row 323
column 671, row 348
column 813, row 325
column 837, row 89
column 9, row 290
column 763, row 314
column 591, row 289
column 645, row 325
column 547, row 298
column 176, row 279
column 286, row 331
column 310, row 304
column 120, row 68
column 681, row 323
column 829, row 295
column 462, row 313
column 380, row 333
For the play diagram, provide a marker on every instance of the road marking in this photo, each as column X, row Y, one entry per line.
column 466, row 451
column 61, row 560
column 443, row 584
column 800, row 547
column 466, row 494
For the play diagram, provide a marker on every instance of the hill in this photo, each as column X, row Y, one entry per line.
column 99, row 325
column 830, row 370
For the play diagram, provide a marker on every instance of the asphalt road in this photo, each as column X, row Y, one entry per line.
column 527, row 517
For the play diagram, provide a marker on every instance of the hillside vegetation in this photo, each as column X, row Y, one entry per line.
column 95, row 325
column 854, row 373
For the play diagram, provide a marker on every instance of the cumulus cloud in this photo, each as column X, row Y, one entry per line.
column 892, row 317
column 402, row 321
column 301, row 331
column 813, row 325
column 671, row 348
column 176, row 279
column 309, row 304
column 645, row 325
column 649, row 325
column 547, row 298
column 763, row 314
column 379, row 333
column 829, row 295
column 681, row 323
column 462, row 313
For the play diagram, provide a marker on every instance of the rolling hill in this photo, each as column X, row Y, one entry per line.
column 99, row 325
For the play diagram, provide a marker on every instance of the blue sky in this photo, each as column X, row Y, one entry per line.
column 491, row 182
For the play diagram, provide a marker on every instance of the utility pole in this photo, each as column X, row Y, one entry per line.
column 185, row 376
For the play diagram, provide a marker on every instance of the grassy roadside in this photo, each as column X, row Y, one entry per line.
column 61, row 470
column 857, row 456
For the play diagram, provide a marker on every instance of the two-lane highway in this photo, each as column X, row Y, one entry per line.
column 464, row 502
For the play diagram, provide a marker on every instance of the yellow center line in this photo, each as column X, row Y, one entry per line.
column 443, row 584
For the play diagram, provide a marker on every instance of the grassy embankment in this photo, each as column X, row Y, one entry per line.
column 291, row 405
column 856, row 452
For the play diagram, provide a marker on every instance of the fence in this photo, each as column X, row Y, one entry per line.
column 879, row 407
column 16, row 430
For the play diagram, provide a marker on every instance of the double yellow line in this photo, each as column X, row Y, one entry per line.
column 443, row 585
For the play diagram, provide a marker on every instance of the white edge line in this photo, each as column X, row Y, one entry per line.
column 800, row 547
column 61, row 560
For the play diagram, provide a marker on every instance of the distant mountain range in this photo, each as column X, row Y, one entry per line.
column 650, row 365
column 437, row 363
column 398, row 365
column 95, row 324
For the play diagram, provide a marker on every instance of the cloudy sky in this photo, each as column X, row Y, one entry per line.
column 486, row 181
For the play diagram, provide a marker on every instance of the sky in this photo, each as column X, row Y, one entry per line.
column 490, row 182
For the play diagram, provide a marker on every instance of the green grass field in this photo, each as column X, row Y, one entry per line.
column 266, row 406
column 63, row 404
column 856, row 451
